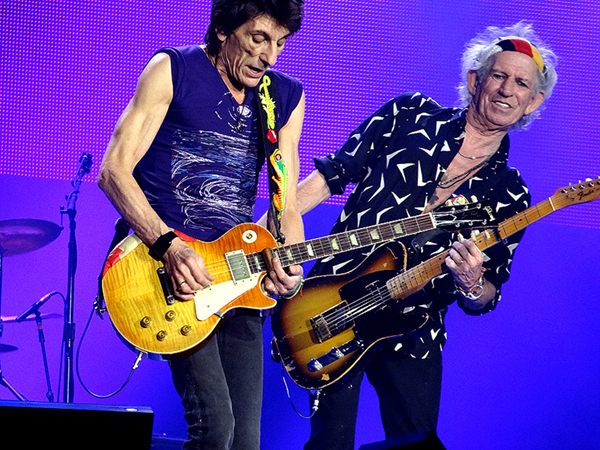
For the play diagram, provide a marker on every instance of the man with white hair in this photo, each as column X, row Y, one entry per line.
column 408, row 158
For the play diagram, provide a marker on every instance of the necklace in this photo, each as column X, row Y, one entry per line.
column 238, row 115
column 472, row 157
column 445, row 184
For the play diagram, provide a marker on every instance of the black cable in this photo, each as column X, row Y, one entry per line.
column 133, row 368
column 315, row 405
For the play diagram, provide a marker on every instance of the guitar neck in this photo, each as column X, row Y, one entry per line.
column 341, row 242
column 409, row 282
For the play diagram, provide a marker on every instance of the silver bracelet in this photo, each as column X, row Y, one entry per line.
column 474, row 293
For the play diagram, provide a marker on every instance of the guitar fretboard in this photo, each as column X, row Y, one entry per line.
column 342, row 242
column 412, row 280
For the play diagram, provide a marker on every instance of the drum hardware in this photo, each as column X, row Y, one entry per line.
column 19, row 236
column 24, row 235
column 4, row 348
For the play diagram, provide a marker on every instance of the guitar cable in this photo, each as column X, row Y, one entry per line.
column 133, row 367
column 315, row 405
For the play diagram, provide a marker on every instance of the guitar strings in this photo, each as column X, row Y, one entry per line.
column 323, row 246
column 382, row 295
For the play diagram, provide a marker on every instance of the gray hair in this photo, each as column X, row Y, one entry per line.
column 478, row 57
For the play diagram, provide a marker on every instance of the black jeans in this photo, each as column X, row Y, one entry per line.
column 409, row 397
column 221, row 387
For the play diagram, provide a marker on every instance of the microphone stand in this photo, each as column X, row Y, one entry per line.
column 38, row 320
column 85, row 163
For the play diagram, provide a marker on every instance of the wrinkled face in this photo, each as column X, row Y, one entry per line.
column 507, row 93
column 250, row 50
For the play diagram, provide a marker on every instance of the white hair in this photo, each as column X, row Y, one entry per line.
column 478, row 57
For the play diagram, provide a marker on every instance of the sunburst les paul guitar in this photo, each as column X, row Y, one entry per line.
column 341, row 321
column 140, row 301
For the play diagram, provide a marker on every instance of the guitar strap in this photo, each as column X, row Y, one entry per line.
column 268, row 140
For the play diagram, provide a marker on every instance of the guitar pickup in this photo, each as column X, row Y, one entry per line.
column 336, row 353
column 238, row 266
column 331, row 322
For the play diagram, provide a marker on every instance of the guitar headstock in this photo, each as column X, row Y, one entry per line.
column 465, row 215
column 581, row 192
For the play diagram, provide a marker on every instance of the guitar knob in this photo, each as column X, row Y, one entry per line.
column 186, row 330
column 146, row 322
column 161, row 335
column 170, row 315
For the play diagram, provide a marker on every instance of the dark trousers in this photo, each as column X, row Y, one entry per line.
column 409, row 397
column 221, row 387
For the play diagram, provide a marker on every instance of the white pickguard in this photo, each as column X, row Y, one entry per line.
column 214, row 297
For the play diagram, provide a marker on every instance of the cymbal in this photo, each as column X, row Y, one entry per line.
column 13, row 319
column 18, row 236
column 7, row 348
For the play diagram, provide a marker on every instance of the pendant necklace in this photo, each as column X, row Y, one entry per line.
column 472, row 157
column 238, row 116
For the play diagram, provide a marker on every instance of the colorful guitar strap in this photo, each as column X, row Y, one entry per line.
column 276, row 170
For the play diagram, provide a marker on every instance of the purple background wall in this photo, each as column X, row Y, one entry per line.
column 524, row 376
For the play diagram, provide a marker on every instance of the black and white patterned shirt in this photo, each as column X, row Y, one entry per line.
column 395, row 159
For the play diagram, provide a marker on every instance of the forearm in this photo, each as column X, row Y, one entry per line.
column 311, row 192
column 126, row 196
column 292, row 226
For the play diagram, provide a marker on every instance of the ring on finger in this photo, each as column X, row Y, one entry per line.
column 182, row 283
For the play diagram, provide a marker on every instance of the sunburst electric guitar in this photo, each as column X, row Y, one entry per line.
column 140, row 301
column 341, row 321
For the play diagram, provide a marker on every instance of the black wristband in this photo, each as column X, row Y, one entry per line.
column 162, row 244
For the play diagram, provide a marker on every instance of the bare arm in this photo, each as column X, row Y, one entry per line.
column 311, row 192
column 281, row 281
column 130, row 141
column 289, row 138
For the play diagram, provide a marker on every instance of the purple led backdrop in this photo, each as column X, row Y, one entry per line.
column 522, row 377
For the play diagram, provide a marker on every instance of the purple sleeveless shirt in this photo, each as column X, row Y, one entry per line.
column 200, row 173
